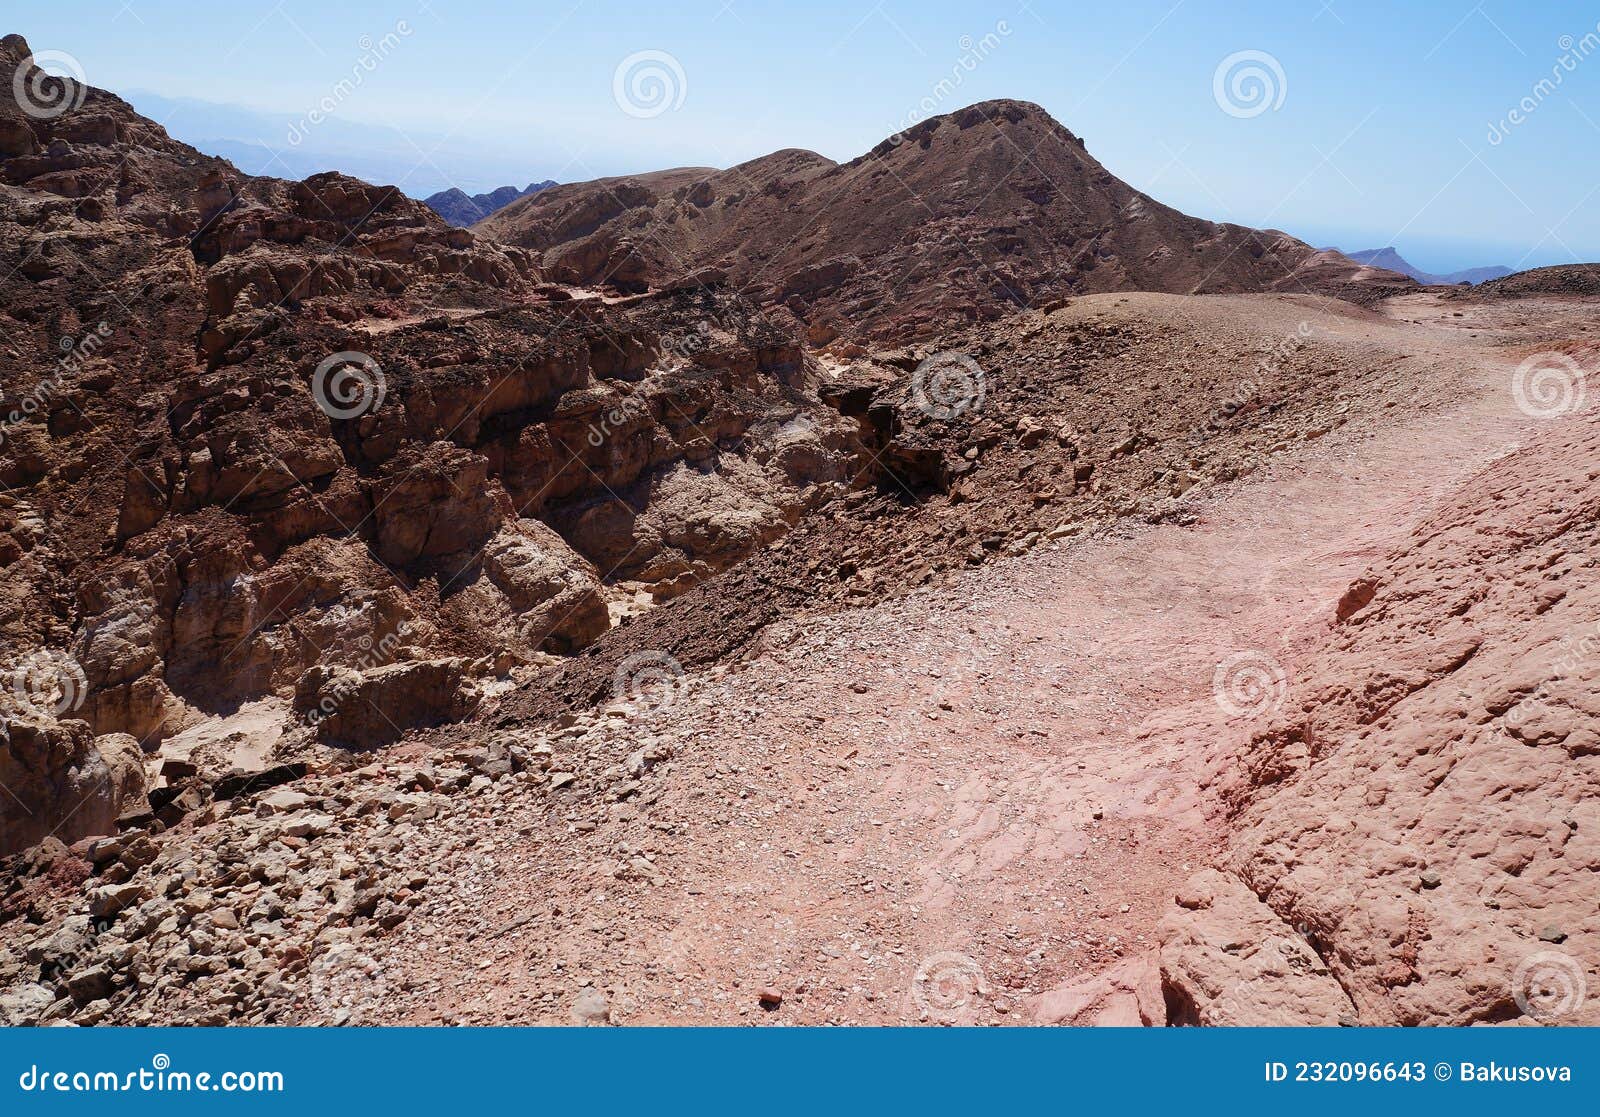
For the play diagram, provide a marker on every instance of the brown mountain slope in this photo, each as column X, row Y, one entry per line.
column 1561, row 279
column 258, row 437
column 968, row 217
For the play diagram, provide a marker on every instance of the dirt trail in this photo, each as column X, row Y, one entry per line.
column 972, row 804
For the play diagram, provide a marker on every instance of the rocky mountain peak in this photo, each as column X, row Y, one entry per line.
column 963, row 217
column 15, row 48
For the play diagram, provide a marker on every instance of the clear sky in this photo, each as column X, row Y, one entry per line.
column 1376, row 129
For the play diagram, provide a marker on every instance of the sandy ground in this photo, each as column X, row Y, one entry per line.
column 969, row 805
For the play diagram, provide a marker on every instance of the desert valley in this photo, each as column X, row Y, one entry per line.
column 948, row 586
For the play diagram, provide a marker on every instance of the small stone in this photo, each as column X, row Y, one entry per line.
column 591, row 1008
column 89, row 985
column 308, row 825
column 1552, row 934
column 107, row 849
column 1431, row 879
column 770, row 997
column 110, row 900
column 281, row 800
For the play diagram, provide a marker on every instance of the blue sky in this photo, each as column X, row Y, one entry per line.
column 1382, row 134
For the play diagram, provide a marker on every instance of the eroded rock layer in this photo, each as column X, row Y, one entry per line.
column 256, row 428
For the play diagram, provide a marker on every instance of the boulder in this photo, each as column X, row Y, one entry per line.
column 369, row 709
column 1230, row 961
column 554, row 590
column 62, row 780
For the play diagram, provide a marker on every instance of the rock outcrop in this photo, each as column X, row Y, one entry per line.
column 1422, row 815
column 1561, row 279
column 252, row 428
column 62, row 781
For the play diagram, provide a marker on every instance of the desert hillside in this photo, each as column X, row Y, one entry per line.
column 946, row 587
column 965, row 217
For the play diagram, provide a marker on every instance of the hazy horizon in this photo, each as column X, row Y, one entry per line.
column 1351, row 146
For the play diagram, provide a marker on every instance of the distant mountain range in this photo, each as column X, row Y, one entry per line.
column 462, row 209
column 261, row 142
column 1393, row 261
